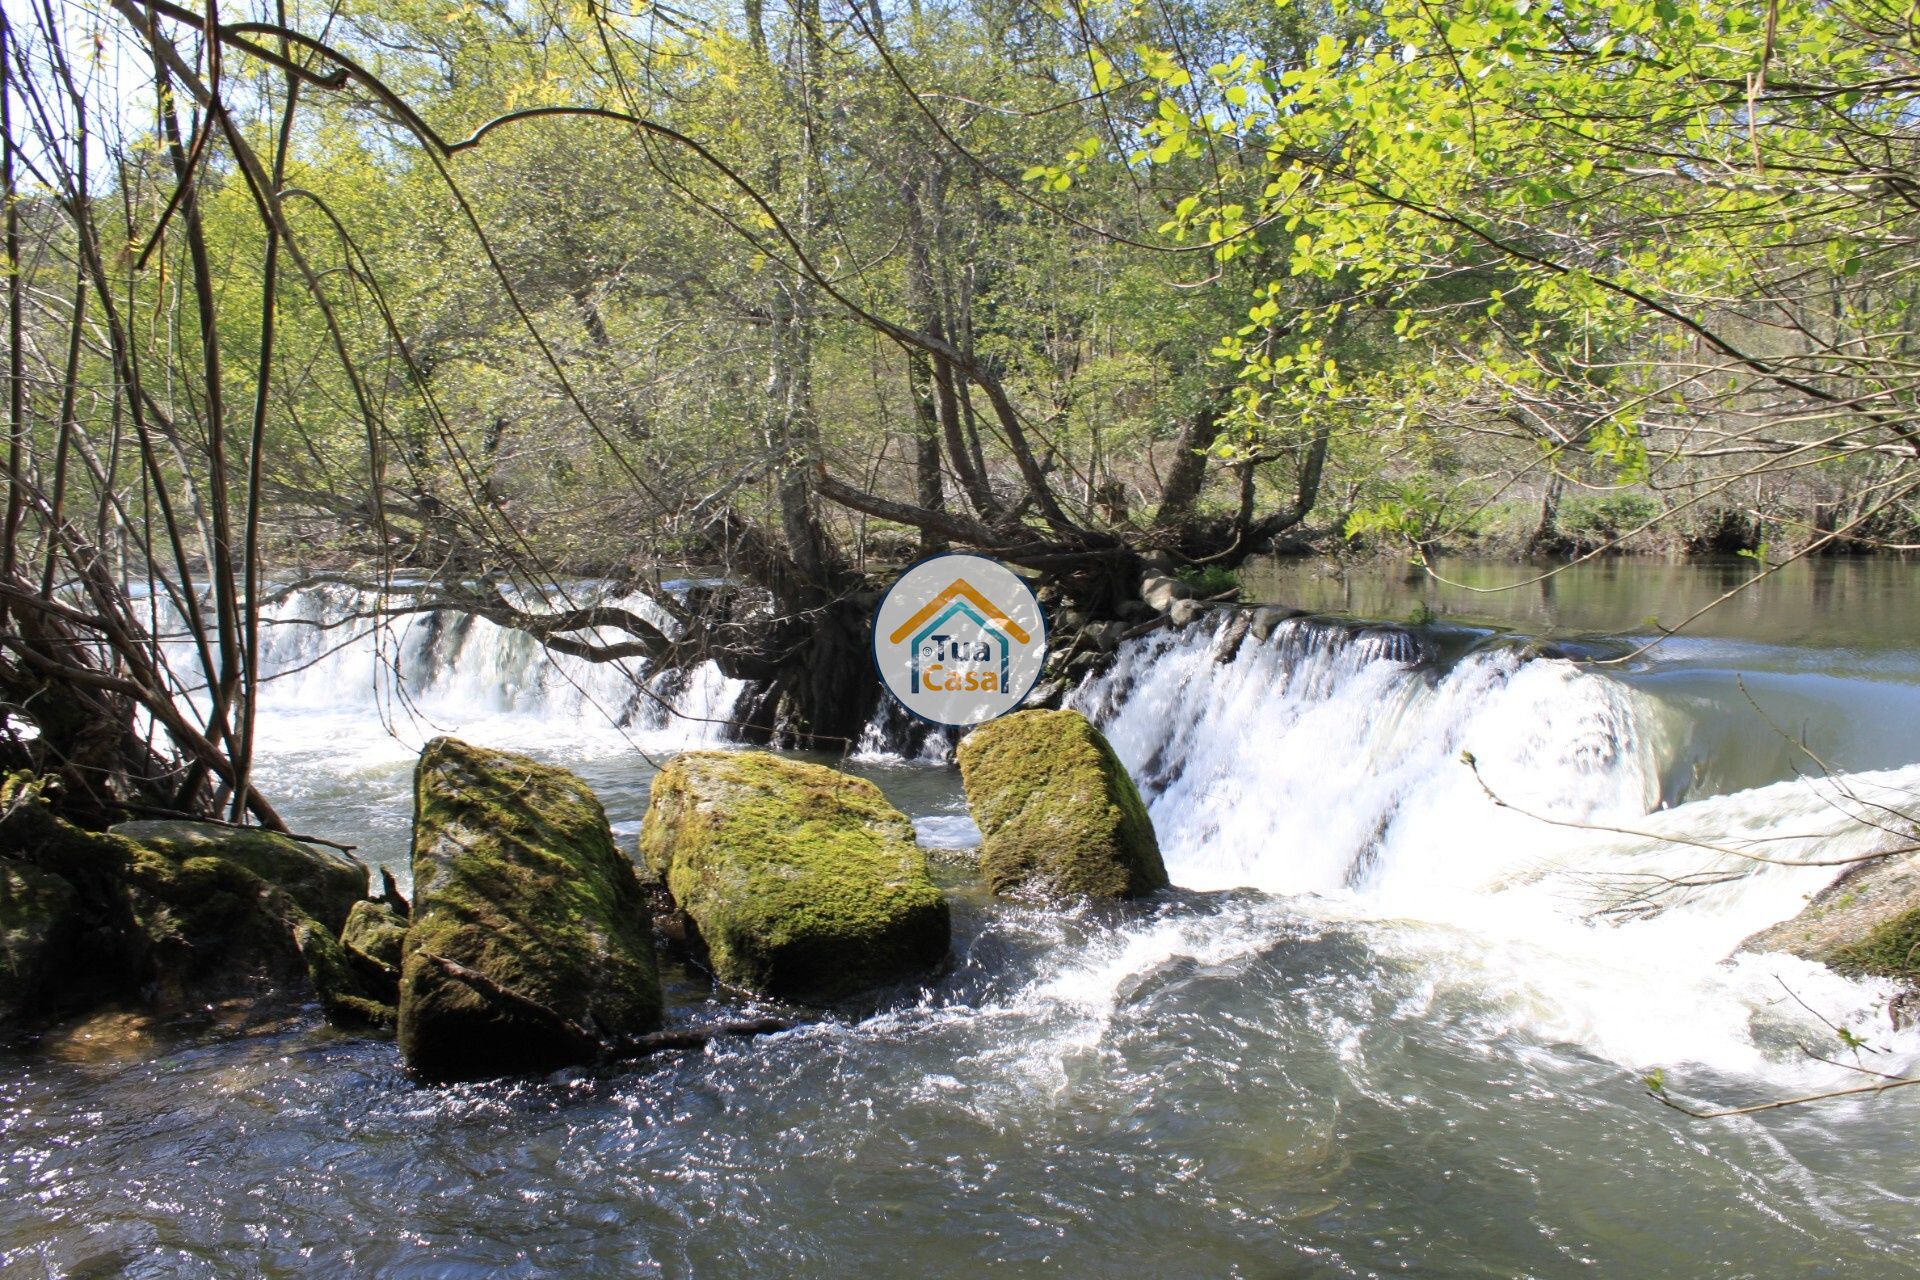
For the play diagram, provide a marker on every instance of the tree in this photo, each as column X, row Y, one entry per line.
column 1671, row 236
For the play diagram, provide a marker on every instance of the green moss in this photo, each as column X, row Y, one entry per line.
column 516, row 877
column 1208, row 580
column 1056, row 810
column 326, row 884
column 376, row 931
column 343, row 996
column 1890, row 950
column 177, row 933
column 802, row 881
column 39, row 935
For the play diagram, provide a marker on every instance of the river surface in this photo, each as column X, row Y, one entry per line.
column 1382, row 1026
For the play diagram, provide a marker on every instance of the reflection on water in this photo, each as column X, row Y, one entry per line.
column 1845, row 604
column 1378, row 1030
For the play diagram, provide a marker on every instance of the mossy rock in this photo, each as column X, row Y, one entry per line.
column 375, row 939
column 800, row 881
column 41, row 936
column 1866, row 923
column 378, row 932
column 345, row 993
column 324, row 882
column 1891, row 949
column 530, row 947
column 172, row 935
column 1057, row 813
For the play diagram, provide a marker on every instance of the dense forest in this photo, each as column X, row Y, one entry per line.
column 510, row 308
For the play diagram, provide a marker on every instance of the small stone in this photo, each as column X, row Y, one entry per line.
column 1105, row 636
column 376, row 932
column 1160, row 591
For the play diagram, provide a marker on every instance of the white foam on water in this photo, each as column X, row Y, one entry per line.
column 1322, row 767
column 1329, row 767
column 373, row 692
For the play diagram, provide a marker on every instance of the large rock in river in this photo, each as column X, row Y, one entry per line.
column 1866, row 922
column 530, row 946
column 1057, row 813
column 41, row 938
column 326, row 884
column 91, row 917
column 801, row 881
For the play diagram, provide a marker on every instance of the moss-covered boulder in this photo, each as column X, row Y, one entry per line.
column 375, row 939
column 378, row 932
column 40, row 936
column 530, row 947
column 324, row 882
column 1867, row 922
column 167, row 935
column 800, row 881
column 1057, row 813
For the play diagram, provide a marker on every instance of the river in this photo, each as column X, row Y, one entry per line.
column 1382, row 1025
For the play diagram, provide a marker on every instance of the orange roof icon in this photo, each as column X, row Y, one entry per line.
column 960, row 587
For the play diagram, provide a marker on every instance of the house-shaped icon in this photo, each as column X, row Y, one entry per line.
column 958, row 599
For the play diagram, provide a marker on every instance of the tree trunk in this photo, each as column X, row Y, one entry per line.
column 1547, row 538
column 1187, row 474
column 929, row 490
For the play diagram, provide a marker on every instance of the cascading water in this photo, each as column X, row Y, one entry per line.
column 1325, row 766
column 1334, row 764
column 895, row 736
column 1323, row 760
column 324, row 654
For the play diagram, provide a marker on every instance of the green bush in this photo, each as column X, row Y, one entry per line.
column 1605, row 517
column 1208, row 579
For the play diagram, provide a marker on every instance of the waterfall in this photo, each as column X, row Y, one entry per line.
column 895, row 735
column 1327, row 765
column 1564, row 879
column 328, row 652
column 1329, row 759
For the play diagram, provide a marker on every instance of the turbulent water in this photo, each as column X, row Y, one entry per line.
column 1393, row 1020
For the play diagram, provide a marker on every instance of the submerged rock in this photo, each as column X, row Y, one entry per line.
column 529, row 947
column 800, row 881
column 1865, row 923
column 167, row 935
column 325, row 883
column 105, row 1036
column 1058, row 814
